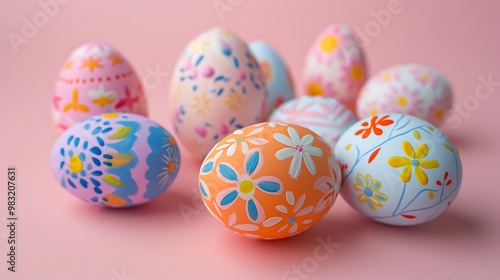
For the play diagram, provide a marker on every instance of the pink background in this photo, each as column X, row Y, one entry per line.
column 61, row 237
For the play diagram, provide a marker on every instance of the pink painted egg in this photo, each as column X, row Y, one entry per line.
column 96, row 79
column 323, row 115
column 335, row 66
column 412, row 89
column 217, row 87
column 116, row 160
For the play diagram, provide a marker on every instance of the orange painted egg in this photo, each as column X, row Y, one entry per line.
column 270, row 180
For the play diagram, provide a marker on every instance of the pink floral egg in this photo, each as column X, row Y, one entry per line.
column 323, row 115
column 412, row 89
column 116, row 160
column 217, row 87
column 335, row 66
column 96, row 79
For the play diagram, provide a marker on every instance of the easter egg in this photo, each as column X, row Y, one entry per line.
column 323, row 115
column 398, row 169
column 217, row 87
column 335, row 66
column 270, row 180
column 278, row 80
column 96, row 79
column 115, row 160
column 407, row 89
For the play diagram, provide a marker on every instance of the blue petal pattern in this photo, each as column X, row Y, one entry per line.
column 252, row 162
column 229, row 198
column 269, row 186
column 227, row 172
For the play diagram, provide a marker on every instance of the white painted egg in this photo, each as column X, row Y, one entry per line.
column 323, row 115
column 398, row 169
column 412, row 89
column 217, row 87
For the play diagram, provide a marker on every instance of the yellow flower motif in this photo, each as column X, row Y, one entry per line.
column 315, row 89
column 369, row 190
column 199, row 45
column 414, row 158
column 328, row 43
column 357, row 73
column 234, row 101
column 201, row 104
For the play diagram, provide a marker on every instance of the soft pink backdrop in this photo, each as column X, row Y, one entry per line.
column 62, row 238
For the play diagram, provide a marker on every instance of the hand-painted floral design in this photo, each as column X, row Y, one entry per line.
column 102, row 97
column 75, row 105
column 293, row 215
column 405, row 200
column 298, row 148
column 332, row 41
column 404, row 101
column 231, row 144
column 415, row 158
column 207, row 168
column 232, row 223
column 216, row 72
column 246, row 184
column 271, row 124
column 373, row 126
column 440, row 106
column 353, row 74
column 201, row 104
column 323, row 115
column 266, row 71
column 97, row 160
column 373, row 108
column 164, row 161
column 412, row 89
column 317, row 87
column 369, row 191
column 96, row 79
column 329, row 186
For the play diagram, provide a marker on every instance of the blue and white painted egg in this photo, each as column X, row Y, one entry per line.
column 398, row 169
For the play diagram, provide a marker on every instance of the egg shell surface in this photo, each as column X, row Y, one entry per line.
column 96, row 78
column 335, row 65
column 323, row 115
column 398, row 169
column 270, row 180
column 412, row 89
column 116, row 160
column 278, row 79
column 217, row 87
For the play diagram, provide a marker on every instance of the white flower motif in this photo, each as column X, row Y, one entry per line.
column 244, row 227
column 298, row 148
column 291, row 218
column 97, row 49
column 270, row 124
column 232, row 143
column 329, row 186
column 101, row 96
column 274, row 124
